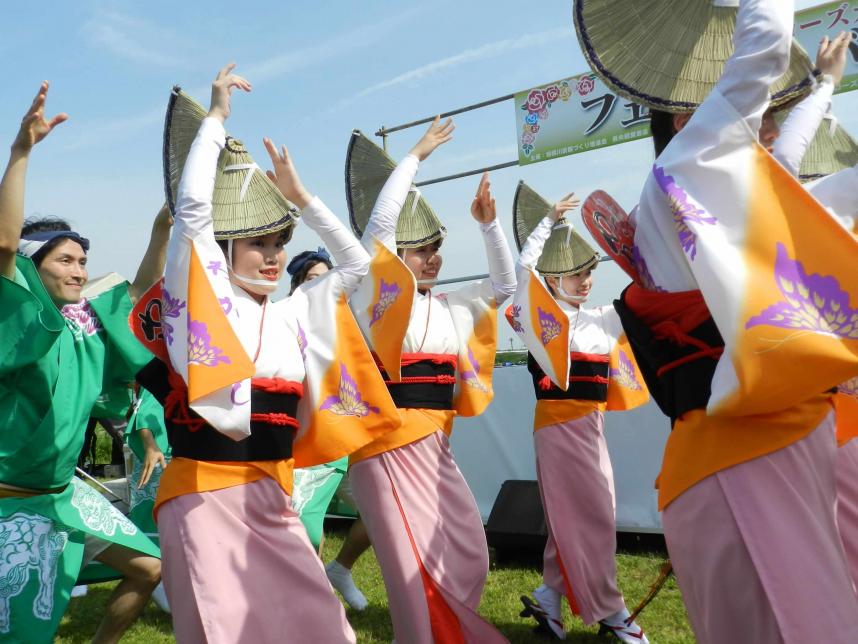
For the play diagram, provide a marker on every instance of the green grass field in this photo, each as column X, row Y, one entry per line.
column 664, row 620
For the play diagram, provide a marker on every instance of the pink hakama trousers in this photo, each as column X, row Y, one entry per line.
column 756, row 551
column 846, row 480
column 238, row 567
column 429, row 539
column 576, row 483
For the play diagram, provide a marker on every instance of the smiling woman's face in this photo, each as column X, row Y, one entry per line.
column 424, row 261
column 258, row 258
column 63, row 272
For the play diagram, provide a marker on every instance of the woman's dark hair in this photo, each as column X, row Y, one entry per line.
column 663, row 131
column 45, row 225
column 300, row 276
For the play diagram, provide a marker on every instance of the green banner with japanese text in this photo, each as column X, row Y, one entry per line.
column 580, row 113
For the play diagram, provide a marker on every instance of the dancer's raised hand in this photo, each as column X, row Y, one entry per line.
column 569, row 202
column 285, row 176
column 831, row 55
column 437, row 134
column 34, row 125
column 222, row 91
column 483, row 206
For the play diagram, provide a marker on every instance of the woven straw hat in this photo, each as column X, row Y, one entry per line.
column 367, row 169
column 668, row 54
column 828, row 153
column 245, row 202
column 565, row 251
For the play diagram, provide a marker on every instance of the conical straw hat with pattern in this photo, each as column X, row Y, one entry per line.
column 566, row 252
column 245, row 202
column 367, row 169
column 668, row 54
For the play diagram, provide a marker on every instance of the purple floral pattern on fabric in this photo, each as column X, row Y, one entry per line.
column 235, row 389
column 644, row 275
column 811, row 302
column 348, row 400
column 471, row 376
column 82, row 316
column 849, row 388
column 200, row 349
column 387, row 294
column 624, row 375
column 171, row 307
column 515, row 319
column 548, row 325
column 216, row 267
column 302, row 341
column 684, row 212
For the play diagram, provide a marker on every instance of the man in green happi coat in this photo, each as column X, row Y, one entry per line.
column 58, row 353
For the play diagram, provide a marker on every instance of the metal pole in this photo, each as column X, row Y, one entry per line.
column 385, row 131
column 469, row 173
column 471, row 278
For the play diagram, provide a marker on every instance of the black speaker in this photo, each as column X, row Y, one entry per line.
column 517, row 520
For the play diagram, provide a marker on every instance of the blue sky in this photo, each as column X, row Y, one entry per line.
column 319, row 70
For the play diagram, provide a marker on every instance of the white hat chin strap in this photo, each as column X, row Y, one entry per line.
column 266, row 284
column 578, row 299
column 235, row 167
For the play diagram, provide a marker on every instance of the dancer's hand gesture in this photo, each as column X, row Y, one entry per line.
column 153, row 457
column 285, row 176
column 437, row 134
column 34, row 126
column 222, row 90
column 483, row 206
column 569, row 202
column 831, row 55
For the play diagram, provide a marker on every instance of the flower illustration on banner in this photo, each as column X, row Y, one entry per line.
column 813, row 302
column 171, row 307
column 684, row 212
column 532, row 118
column 565, row 91
column 527, row 138
column 849, row 388
column 200, row 349
column 548, row 325
column 387, row 294
column 82, row 315
column 514, row 317
column 471, row 376
column 585, row 85
column 552, row 93
column 348, row 400
column 624, row 375
column 535, row 100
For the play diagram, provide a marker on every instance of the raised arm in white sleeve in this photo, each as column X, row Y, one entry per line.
column 351, row 258
column 761, row 44
column 501, row 267
column 532, row 248
column 385, row 213
column 838, row 193
column 801, row 125
column 193, row 216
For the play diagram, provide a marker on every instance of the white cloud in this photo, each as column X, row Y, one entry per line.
column 133, row 39
column 489, row 50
